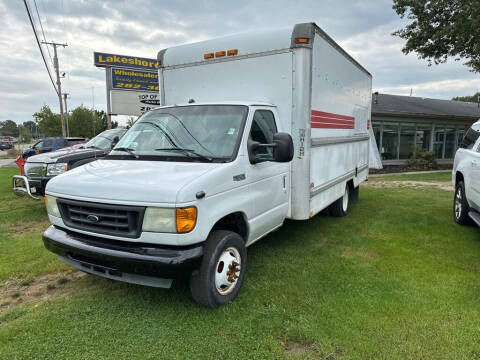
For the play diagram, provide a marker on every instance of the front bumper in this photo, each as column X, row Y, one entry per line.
column 139, row 263
column 32, row 187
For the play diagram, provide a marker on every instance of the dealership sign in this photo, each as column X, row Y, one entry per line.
column 132, row 62
column 133, row 102
column 124, row 79
column 132, row 83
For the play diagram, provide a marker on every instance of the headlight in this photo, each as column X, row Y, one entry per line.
column 169, row 220
column 159, row 220
column 52, row 207
column 56, row 169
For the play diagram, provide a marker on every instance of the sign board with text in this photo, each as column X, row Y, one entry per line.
column 132, row 83
column 125, row 61
column 138, row 80
column 133, row 102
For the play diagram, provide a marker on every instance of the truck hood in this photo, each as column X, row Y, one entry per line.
column 62, row 155
column 132, row 181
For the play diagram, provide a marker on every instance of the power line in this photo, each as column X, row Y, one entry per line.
column 39, row 45
column 41, row 27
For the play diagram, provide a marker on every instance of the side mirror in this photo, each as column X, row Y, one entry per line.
column 115, row 141
column 283, row 150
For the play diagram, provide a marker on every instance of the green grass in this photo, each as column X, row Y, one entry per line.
column 22, row 221
column 434, row 176
column 396, row 279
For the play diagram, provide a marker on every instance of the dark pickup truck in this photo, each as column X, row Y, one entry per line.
column 39, row 169
column 51, row 144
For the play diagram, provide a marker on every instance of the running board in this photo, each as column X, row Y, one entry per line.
column 475, row 216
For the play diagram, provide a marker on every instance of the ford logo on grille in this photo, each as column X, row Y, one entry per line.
column 93, row 218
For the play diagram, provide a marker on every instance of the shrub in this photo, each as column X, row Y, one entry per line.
column 422, row 158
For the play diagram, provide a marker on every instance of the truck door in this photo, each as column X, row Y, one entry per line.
column 269, row 181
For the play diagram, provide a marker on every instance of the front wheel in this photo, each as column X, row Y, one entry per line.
column 460, row 205
column 222, row 269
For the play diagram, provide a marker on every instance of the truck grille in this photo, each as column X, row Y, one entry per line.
column 125, row 221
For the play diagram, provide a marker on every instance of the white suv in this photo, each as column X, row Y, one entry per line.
column 466, row 178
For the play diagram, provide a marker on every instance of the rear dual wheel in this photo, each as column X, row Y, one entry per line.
column 222, row 270
column 340, row 207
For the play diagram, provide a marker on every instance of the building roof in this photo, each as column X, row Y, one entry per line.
column 410, row 106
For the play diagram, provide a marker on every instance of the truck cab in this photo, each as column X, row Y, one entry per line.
column 466, row 178
column 180, row 176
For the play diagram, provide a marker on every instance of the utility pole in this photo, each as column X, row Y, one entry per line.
column 66, row 111
column 59, row 85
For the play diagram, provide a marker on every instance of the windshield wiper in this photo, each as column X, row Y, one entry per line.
column 187, row 152
column 93, row 147
column 128, row 150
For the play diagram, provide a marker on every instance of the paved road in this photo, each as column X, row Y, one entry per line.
column 7, row 163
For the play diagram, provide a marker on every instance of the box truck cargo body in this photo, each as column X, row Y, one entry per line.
column 322, row 95
column 252, row 129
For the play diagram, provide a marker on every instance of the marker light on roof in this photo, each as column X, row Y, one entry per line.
column 302, row 40
column 208, row 56
column 220, row 53
column 232, row 52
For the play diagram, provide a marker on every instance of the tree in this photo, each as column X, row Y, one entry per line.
column 131, row 120
column 441, row 29
column 25, row 134
column 8, row 128
column 31, row 126
column 102, row 115
column 87, row 123
column 474, row 98
column 48, row 122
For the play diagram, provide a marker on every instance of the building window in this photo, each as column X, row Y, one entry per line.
column 449, row 143
column 423, row 136
column 407, row 141
column 438, row 141
column 389, row 150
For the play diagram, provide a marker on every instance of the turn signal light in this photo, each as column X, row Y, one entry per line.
column 186, row 219
column 302, row 40
column 208, row 56
column 220, row 53
column 232, row 52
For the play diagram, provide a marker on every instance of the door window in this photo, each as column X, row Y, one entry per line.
column 263, row 129
column 47, row 143
column 470, row 139
column 38, row 145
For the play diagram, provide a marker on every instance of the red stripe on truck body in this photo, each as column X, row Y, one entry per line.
column 326, row 120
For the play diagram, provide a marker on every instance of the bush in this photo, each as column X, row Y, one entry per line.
column 422, row 159
column 13, row 153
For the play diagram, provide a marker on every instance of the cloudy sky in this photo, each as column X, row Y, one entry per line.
column 142, row 27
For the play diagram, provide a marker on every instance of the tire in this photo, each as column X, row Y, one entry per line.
column 340, row 207
column 216, row 283
column 460, row 205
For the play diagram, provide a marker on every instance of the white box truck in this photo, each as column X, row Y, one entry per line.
column 253, row 129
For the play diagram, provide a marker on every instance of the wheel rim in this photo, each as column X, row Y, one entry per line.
column 345, row 200
column 227, row 271
column 458, row 203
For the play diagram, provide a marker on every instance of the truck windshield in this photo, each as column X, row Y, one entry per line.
column 189, row 133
